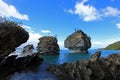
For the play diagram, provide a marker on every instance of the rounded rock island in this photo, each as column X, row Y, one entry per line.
column 48, row 45
column 78, row 42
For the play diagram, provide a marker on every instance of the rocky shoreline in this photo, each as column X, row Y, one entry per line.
column 13, row 35
column 95, row 68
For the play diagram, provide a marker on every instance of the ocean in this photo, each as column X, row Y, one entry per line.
column 40, row 72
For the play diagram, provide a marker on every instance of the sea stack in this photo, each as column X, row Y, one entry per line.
column 78, row 42
column 48, row 45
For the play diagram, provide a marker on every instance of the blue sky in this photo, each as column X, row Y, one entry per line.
column 100, row 19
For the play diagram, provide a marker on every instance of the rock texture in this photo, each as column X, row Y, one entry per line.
column 13, row 64
column 11, row 36
column 17, row 63
column 78, row 42
column 28, row 49
column 48, row 45
column 95, row 68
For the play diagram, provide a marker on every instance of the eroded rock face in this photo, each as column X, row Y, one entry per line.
column 11, row 36
column 13, row 64
column 18, row 63
column 95, row 68
column 28, row 49
column 78, row 42
column 48, row 45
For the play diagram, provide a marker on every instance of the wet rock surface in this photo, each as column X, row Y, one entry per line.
column 78, row 42
column 28, row 49
column 95, row 68
column 13, row 63
column 48, row 45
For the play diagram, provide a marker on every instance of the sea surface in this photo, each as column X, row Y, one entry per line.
column 40, row 72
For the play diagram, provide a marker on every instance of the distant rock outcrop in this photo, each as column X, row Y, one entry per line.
column 113, row 46
column 48, row 45
column 78, row 42
column 28, row 49
column 95, row 68
column 11, row 36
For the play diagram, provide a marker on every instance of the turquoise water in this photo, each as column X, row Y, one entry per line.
column 40, row 72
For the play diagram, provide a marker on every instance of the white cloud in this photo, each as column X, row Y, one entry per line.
column 70, row 11
column 103, row 44
column 88, row 12
column 118, row 25
column 61, row 45
column 33, row 36
column 28, row 28
column 98, row 44
column 110, row 11
column 10, row 11
column 45, row 31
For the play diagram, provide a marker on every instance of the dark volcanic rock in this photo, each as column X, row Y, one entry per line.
column 11, row 64
column 11, row 36
column 22, row 63
column 78, row 42
column 94, row 69
column 48, row 45
column 28, row 49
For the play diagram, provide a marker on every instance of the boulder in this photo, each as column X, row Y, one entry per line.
column 78, row 42
column 11, row 36
column 48, row 45
column 13, row 64
column 28, row 61
column 28, row 49
column 95, row 57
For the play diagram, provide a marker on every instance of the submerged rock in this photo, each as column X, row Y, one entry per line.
column 48, row 45
column 78, row 42
column 95, row 68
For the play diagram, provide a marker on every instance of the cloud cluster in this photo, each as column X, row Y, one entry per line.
column 118, row 25
column 10, row 11
column 110, row 11
column 45, row 31
column 33, row 36
column 89, row 13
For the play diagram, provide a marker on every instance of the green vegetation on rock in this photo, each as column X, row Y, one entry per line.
column 113, row 46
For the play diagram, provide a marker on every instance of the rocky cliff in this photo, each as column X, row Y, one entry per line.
column 48, row 45
column 78, row 42
column 95, row 68
column 11, row 36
